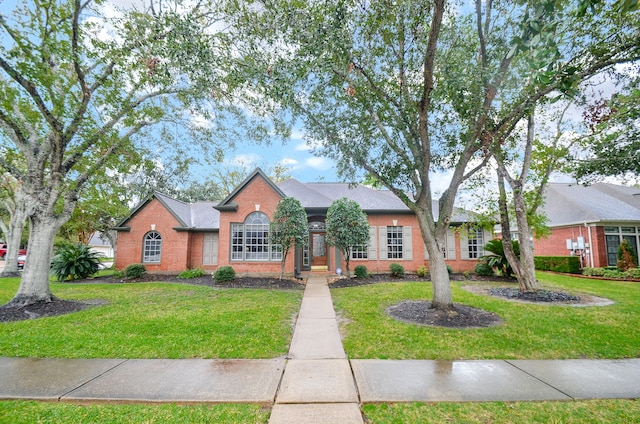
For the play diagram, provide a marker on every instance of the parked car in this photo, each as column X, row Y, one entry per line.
column 21, row 260
column 3, row 251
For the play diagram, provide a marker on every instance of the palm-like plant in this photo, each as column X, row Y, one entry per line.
column 75, row 262
column 498, row 261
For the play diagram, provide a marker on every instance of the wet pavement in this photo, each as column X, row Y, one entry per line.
column 315, row 382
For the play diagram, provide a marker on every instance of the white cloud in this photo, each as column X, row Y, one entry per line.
column 247, row 160
column 289, row 162
column 321, row 164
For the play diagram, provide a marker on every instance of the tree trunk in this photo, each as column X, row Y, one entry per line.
column 17, row 222
column 523, row 267
column 440, row 281
column 526, row 271
column 34, row 285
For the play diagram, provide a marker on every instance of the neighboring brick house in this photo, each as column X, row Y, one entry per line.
column 590, row 221
column 167, row 235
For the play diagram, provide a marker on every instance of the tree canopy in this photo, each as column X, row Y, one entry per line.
column 347, row 228
column 414, row 89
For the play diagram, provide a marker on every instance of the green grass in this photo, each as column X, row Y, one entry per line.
column 156, row 320
column 530, row 331
column 593, row 411
column 21, row 412
column 597, row 411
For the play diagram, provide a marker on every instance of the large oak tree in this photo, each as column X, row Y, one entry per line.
column 79, row 91
column 410, row 90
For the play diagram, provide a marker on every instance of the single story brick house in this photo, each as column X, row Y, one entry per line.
column 590, row 221
column 170, row 236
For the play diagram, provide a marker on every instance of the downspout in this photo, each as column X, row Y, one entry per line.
column 590, row 246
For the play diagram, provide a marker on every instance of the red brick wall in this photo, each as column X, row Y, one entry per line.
column 555, row 244
column 256, row 195
column 175, row 244
column 381, row 265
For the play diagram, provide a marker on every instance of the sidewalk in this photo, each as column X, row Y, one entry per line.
column 316, row 382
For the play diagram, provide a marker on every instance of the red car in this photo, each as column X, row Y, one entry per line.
column 3, row 251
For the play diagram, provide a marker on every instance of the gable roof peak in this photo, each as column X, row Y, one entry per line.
column 228, row 204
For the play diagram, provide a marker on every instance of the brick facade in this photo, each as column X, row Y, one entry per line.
column 595, row 252
column 183, row 248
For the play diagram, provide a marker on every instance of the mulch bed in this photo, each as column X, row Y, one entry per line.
column 461, row 316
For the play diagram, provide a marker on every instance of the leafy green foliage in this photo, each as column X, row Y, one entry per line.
column 191, row 273
column 396, row 269
column 347, row 226
column 135, row 271
column 422, row 271
column 289, row 227
column 498, row 261
column 483, row 269
column 361, row 271
column 626, row 256
column 568, row 264
column 74, row 262
column 224, row 274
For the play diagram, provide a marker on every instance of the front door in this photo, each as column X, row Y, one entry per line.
column 318, row 250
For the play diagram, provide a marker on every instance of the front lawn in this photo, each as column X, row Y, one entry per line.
column 529, row 331
column 156, row 320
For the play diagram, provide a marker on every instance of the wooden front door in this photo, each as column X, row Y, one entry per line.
column 318, row 249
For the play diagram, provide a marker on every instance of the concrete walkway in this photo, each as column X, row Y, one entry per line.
column 315, row 383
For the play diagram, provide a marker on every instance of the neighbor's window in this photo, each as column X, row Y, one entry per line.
column 394, row 242
column 152, row 247
column 475, row 243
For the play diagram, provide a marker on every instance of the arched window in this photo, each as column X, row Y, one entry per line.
column 152, row 247
column 250, row 240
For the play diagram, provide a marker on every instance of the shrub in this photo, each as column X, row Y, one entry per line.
column 135, row 271
column 224, row 274
column 497, row 260
column 567, row 264
column 397, row 270
column 626, row 256
column 449, row 269
column 634, row 273
column 483, row 269
column 191, row 273
column 74, row 262
column 361, row 271
column 422, row 271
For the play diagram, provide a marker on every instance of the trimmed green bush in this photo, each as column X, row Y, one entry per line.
column 422, row 271
column 397, row 270
column 361, row 271
column 191, row 273
column 224, row 274
column 74, row 262
column 566, row 264
column 135, row 271
column 449, row 269
column 483, row 269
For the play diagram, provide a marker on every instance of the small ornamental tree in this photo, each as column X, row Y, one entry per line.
column 289, row 227
column 626, row 256
column 347, row 226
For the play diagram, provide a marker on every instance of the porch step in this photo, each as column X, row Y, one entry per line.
column 320, row 268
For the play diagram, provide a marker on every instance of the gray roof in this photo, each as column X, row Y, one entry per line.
column 197, row 216
column 569, row 204
column 321, row 195
column 312, row 196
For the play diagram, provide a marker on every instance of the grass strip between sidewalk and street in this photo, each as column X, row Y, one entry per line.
column 576, row 412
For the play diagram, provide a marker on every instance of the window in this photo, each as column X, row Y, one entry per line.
column 394, row 242
column 359, row 252
column 614, row 237
column 475, row 243
column 250, row 240
column 152, row 247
